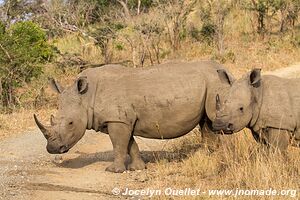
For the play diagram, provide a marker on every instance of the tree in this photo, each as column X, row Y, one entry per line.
column 23, row 50
column 264, row 9
column 213, row 14
column 289, row 11
column 174, row 14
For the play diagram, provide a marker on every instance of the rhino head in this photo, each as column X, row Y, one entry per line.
column 239, row 106
column 221, row 87
column 68, row 127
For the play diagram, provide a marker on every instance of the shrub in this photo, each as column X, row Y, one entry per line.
column 23, row 50
column 296, row 40
column 208, row 32
column 144, row 3
column 267, row 9
column 213, row 15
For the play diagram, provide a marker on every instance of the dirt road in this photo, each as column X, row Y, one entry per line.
column 27, row 171
column 287, row 72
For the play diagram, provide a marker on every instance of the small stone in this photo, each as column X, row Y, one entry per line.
column 58, row 159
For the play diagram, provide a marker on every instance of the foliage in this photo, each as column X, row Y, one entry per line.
column 175, row 14
column 103, row 35
column 17, row 10
column 60, row 17
column 296, row 40
column 213, row 14
column 266, row 9
column 145, row 3
column 23, row 49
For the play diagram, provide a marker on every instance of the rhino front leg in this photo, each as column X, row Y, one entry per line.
column 273, row 138
column 277, row 138
column 209, row 138
column 120, row 135
column 295, row 140
column 136, row 160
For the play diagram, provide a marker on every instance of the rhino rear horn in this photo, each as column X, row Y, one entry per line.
column 218, row 102
column 44, row 129
column 52, row 120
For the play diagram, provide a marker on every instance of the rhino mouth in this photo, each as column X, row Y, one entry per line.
column 62, row 149
column 226, row 128
column 226, row 132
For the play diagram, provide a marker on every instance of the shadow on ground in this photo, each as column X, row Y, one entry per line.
column 85, row 159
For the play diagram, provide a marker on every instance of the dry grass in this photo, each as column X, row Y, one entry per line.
column 79, row 45
column 241, row 163
column 21, row 120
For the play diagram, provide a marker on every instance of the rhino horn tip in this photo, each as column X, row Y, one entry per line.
column 218, row 103
column 52, row 120
column 41, row 126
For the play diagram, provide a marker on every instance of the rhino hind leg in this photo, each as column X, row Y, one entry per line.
column 136, row 160
column 258, row 137
column 120, row 135
column 295, row 140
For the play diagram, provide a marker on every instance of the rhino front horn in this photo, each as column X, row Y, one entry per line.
column 44, row 129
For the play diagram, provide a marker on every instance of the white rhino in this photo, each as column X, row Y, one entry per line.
column 268, row 105
column 165, row 101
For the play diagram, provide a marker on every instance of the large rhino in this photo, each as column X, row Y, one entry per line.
column 268, row 105
column 165, row 101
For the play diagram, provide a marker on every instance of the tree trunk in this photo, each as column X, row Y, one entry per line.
column 139, row 7
column 283, row 20
column 126, row 10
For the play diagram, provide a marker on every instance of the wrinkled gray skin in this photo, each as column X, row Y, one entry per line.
column 165, row 101
column 268, row 105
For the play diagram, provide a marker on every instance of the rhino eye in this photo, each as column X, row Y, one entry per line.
column 241, row 109
column 70, row 123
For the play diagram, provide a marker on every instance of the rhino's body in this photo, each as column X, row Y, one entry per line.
column 160, row 102
column 272, row 110
column 165, row 101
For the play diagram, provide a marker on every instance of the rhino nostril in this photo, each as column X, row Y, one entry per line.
column 230, row 127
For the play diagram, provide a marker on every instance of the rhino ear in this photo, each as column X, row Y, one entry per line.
column 82, row 85
column 56, row 86
column 255, row 77
column 225, row 77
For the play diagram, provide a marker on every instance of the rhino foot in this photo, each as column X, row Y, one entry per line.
column 137, row 165
column 116, row 168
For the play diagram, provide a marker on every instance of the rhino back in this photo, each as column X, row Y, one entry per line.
column 166, row 101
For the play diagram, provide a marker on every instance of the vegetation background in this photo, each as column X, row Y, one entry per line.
column 43, row 39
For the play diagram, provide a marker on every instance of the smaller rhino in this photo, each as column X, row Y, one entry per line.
column 268, row 105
